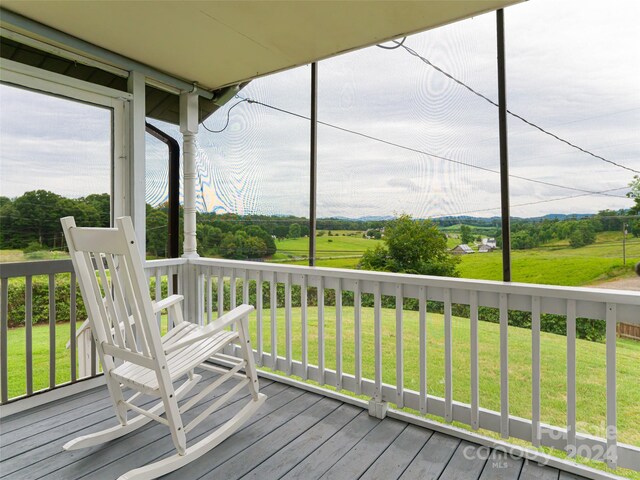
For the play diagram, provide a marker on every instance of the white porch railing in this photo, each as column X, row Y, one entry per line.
column 213, row 286
column 165, row 277
column 220, row 279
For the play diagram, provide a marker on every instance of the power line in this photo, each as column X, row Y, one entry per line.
column 519, row 117
column 529, row 203
column 228, row 118
column 415, row 150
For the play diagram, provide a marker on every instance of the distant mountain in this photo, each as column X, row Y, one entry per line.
column 373, row 218
column 455, row 220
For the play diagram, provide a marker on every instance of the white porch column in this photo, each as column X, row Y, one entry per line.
column 135, row 204
column 189, row 129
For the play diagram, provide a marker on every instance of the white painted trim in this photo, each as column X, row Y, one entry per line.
column 49, row 396
column 61, row 52
column 65, row 41
column 136, row 165
column 32, row 77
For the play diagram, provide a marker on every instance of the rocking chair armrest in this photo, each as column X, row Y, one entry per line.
column 166, row 302
column 235, row 315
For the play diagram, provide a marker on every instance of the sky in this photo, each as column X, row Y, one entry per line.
column 573, row 67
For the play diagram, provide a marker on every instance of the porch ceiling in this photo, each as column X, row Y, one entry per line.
column 220, row 43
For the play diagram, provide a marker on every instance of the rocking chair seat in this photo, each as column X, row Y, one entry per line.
column 180, row 361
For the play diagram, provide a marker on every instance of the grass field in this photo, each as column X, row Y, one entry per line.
column 334, row 247
column 591, row 368
column 571, row 266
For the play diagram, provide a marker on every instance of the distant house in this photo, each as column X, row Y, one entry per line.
column 485, row 248
column 462, row 249
column 491, row 242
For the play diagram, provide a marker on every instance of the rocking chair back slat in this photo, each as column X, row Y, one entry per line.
column 107, row 289
column 129, row 337
column 118, row 297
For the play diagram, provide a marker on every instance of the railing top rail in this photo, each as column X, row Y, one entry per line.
column 40, row 267
column 549, row 291
column 164, row 262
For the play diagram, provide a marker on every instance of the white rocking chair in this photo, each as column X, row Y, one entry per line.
column 134, row 355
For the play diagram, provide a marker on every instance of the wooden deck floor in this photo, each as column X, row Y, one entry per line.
column 295, row 435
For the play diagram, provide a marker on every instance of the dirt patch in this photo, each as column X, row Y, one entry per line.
column 628, row 283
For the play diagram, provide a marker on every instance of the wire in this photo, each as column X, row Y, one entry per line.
column 398, row 44
column 519, row 117
column 415, row 150
column 228, row 118
column 603, row 192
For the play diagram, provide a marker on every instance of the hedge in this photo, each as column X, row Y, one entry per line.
column 587, row 329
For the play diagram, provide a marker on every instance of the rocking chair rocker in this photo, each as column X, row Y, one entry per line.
column 135, row 356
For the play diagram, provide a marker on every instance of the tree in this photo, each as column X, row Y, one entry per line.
column 582, row 235
column 466, row 236
column 294, row 230
column 412, row 246
column 156, row 223
column 38, row 216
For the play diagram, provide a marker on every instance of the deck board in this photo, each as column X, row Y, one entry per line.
column 331, row 451
column 357, row 460
column 501, row 466
column 284, row 460
column 295, row 435
column 395, row 459
column 432, row 458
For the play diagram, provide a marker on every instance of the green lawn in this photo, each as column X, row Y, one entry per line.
column 571, row 266
column 334, row 246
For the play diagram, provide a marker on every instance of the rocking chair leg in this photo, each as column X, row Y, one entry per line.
column 120, row 430
column 169, row 464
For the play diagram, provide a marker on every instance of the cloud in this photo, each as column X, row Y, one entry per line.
column 572, row 67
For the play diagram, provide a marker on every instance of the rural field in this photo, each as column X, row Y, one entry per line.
column 594, row 263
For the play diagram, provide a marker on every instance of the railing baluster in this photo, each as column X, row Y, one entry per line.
column 158, row 290
column 321, row 331
column 72, row 330
column 273, row 303
column 287, row 320
column 399, row 349
column 504, row 365
column 338, row 292
column 612, row 424
column 535, row 371
column 28, row 323
column 52, row 330
column 4, row 330
column 303, row 320
column 220, row 292
column 377, row 334
column 259, row 341
column 475, row 382
column 448, row 358
column 422, row 307
column 232, row 290
column 232, row 299
column 209, row 295
column 357, row 321
column 571, row 377
column 245, row 287
column 170, row 291
column 94, row 358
